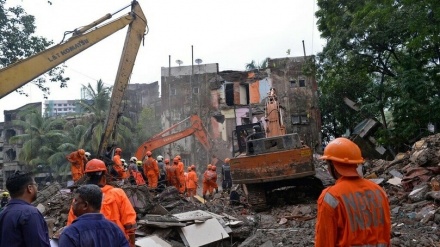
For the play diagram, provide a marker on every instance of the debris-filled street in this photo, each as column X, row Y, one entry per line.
column 168, row 219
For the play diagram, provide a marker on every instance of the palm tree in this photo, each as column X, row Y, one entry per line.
column 97, row 104
column 253, row 66
column 40, row 139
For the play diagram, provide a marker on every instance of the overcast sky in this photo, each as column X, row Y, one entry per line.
column 231, row 33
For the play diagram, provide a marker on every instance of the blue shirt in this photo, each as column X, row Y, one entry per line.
column 22, row 225
column 92, row 230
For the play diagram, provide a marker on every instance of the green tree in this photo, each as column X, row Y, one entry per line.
column 253, row 65
column 40, row 139
column 17, row 41
column 96, row 105
column 384, row 56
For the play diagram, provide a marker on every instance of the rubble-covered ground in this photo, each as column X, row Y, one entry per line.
column 410, row 180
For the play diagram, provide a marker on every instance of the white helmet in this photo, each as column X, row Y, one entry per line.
column 133, row 159
column 122, row 160
column 159, row 158
column 87, row 154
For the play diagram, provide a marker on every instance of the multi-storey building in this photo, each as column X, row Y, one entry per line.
column 55, row 108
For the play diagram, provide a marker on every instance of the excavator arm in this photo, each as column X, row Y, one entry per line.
column 159, row 140
column 18, row 74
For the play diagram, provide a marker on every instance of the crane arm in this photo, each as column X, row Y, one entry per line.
column 161, row 139
column 21, row 72
column 134, row 37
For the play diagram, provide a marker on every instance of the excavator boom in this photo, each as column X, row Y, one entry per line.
column 160, row 140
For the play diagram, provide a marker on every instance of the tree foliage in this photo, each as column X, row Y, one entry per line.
column 18, row 41
column 385, row 56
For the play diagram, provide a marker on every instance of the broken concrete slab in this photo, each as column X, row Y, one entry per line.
column 152, row 241
column 201, row 234
column 395, row 181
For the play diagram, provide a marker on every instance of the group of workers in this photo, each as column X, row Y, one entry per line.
column 353, row 212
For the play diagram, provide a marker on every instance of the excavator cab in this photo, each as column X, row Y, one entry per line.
column 243, row 135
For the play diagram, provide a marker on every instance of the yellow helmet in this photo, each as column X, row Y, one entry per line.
column 5, row 193
column 139, row 163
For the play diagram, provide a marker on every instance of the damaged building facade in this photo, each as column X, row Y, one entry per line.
column 10, row 151
column 229, row 98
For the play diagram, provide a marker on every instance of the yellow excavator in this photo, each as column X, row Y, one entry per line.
column 18, row 74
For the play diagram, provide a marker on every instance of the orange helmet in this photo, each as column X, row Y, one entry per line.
column 213, row 168
column 167, row 161
column 149, row 153
column 95, row 165
column 344, row 151
column 178, row 156
column 176, row 160
column 227, row 160
column 81, row 152
column 193, row 167
column 118, row 150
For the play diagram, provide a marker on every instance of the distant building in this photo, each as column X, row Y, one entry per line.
column 54, row 108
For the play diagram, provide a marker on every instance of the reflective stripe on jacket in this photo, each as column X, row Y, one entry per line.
column 353, row 212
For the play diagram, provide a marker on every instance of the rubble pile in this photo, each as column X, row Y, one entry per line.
column 167, row 218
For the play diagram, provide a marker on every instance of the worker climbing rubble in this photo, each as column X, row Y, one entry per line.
column 151, row 170
column 116, row 206
column 339, row 206
column 77, row 161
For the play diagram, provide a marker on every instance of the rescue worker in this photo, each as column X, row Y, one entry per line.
column 191, row 182
column 151, row 170
column 181, row 172
column 77, row 161
column 206, row 177
column 116, row 206
column 162, row 174
column 226, row 176
column 355, row 211
column 167, row 168
column 135, row 176
column 213, row 181
column 174, row 174
column 5, row 199
column 118, row 168
column 141, row 169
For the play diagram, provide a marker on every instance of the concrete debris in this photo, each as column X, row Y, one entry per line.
column 411, row 181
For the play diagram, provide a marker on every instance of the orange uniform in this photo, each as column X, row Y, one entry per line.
column 353, row 212
column 174, row 176
column 207, row 176
column 181, row 172
column 117, row 166
column 151, row 170
column 191, row 183
column 117, row 208
column 138, row 177
column 77, row 162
